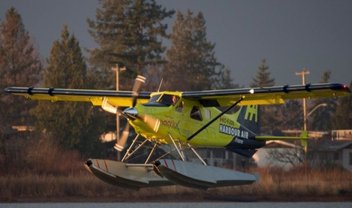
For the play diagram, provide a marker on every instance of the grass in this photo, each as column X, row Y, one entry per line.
column 300, row 184
column 38, row 173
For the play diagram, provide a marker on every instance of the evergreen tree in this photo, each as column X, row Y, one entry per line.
column 70, row 124
column 343, row 116
column 290, row 115
column 191, row 62
column 262, row 78
column 128, row 32
column 321, row 119
column 20, row 65
column 225, row 81
column 269, row 114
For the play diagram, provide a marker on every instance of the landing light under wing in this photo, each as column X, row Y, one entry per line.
column 266, row 95
column 96, row 97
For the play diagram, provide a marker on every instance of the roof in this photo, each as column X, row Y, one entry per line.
column 331, row 146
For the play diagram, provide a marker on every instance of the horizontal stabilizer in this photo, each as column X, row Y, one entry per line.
column 303, row 137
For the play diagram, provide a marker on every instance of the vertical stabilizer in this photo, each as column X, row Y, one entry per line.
column 249, row 117
column 244, row 142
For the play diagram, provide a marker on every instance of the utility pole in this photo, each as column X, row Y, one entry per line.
column 118, row 69
column 303, row 74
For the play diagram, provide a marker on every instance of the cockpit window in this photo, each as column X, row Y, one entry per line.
column 154, row 98
column 196, row 114
column 163, row 100
column 168, row 99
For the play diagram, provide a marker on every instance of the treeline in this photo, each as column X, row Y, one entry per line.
column 129, row 33
column 333, row 113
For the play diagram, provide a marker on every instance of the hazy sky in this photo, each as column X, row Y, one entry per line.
column 290, row 34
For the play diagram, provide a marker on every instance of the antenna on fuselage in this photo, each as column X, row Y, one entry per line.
column 161, row 82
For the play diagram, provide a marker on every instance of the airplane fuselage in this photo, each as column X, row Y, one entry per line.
column 182, row 118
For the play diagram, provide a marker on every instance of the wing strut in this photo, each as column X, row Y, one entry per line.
column 215, row 118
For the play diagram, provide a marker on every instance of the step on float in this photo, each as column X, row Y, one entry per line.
column 166, row 172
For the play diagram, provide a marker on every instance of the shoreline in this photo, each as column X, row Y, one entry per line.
column 172, row 198
column 238, row 200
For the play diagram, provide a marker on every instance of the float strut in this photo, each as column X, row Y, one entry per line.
column 178, row 150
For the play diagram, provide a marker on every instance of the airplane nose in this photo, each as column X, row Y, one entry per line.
column 130, row 113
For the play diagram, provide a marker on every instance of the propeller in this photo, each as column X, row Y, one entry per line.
column 121, row 143
column 136, row 87
column 131, row 113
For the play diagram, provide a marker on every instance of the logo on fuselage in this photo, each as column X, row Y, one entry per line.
column 252, row 113
column 233, row 131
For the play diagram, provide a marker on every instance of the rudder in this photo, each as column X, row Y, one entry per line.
column 248, row 118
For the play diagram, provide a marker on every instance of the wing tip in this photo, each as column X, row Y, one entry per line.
column 341, row 87
column 15, row 90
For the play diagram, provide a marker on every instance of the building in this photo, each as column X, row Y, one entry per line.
column 341, row 135
column 331, row 153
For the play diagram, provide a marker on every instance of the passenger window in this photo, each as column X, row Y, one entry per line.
column 179, row 107
column 196, row 114
column 207, row 113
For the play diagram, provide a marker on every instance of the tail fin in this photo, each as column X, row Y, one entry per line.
column 245, row 143
column 248, row 117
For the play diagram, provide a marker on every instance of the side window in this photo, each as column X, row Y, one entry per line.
column 195, row 113
column 179, row 107
column 207, row 113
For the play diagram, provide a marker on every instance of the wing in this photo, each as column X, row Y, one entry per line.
column 116, row 98
column 266, row 95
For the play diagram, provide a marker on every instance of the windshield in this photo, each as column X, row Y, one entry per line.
column 163, row 100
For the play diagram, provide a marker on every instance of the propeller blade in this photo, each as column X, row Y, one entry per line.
column 152, row 122
column 136, row 87
column 121, row 143
column 107, row 137
column 106, row 106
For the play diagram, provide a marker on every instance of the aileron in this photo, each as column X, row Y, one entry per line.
column 266, row 95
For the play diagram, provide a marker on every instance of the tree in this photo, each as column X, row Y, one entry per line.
column 70, row 124
column 268, row 114
column 128, row 32
column 262, row 78
column 191, row 62
column 343, row 117
column 290, row 115
column 291, row 157
column 20, row 65
column 322, row 117
column 224, row 80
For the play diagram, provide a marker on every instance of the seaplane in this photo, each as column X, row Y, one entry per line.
column 184, row 121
